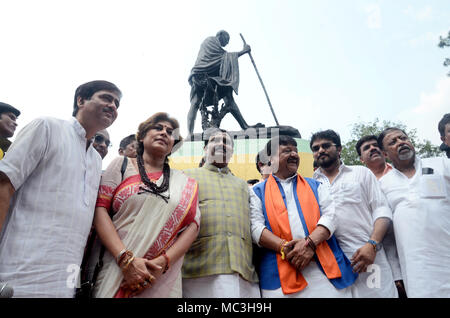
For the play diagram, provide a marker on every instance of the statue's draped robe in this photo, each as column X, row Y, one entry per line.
column 220, row 65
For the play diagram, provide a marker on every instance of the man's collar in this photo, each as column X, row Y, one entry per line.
column 287, row 179
column 342, row 167
column 211, row 167
column 417, row 165
column 78, row 128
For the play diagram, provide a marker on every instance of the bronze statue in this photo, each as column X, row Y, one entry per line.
column 215, row 76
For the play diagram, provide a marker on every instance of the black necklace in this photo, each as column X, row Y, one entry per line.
column 151, row 186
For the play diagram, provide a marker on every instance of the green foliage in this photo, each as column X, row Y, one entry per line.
column 443, row 42
column 349, row 155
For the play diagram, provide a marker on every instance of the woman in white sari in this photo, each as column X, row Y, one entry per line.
column 155, row 217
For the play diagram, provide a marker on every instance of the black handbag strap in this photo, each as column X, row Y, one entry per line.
column 124, row 166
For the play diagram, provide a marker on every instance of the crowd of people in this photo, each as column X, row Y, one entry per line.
column 146, row 230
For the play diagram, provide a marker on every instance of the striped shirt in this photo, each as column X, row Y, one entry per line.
column 56, row 181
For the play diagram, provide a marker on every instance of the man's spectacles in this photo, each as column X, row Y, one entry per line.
column 98, row 139
column 324, row 146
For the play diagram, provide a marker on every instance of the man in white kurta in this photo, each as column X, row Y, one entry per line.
column 418, row 191
column 359, row 205
column 284, row 161
column 372, row 157
column 318, row 284
column 53, row 173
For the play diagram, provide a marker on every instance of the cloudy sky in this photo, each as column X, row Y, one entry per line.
column 325, row 64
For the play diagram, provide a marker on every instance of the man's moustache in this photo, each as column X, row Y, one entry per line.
column 403, row 148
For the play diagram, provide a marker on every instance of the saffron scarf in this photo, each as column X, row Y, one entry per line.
column 291, row 280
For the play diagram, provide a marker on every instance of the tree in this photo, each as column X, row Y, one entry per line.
column 443, row 42
column 349, row 155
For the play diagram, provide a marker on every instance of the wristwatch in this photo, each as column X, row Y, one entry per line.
column 376, row 246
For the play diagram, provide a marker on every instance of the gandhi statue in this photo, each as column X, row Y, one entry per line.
column 219, row 67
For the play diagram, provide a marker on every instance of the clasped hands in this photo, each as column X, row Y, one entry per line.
column 363, row 257
column 141, row 274
column 298, row 253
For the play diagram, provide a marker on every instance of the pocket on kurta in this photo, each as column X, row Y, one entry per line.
column 350, row 193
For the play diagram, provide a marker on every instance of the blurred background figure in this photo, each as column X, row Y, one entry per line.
column 128, row 146
column 444, row 131
column 102, row 143
column 8, row 117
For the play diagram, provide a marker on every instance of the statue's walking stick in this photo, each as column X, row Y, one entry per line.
column 260, row 80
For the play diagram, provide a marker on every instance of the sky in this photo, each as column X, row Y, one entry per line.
column 326, row 64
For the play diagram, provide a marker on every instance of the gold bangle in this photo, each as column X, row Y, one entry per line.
column 119, row 256
column 282, row 245
column 124, row 267
column 124, row 258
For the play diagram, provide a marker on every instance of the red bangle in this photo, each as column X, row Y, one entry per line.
column 167, row 261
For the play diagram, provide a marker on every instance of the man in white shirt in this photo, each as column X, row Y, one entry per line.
column 418, row 191
column 444, row 131
column 102, row 142
column 363, row 216
column 48, row 189
column 373, row 158
column 294, row 242
column 8, row 124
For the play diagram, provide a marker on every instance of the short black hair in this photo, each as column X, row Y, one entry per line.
column 328, row 135
column 281, row 140
column 444, row 121
column 384, row 133
column 6, row 108
column 363, row 140
column 126, row 141
column 86, row 90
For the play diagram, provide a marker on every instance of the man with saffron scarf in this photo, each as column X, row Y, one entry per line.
column 293, row 219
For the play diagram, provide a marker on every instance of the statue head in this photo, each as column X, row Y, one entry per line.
column 223, row 37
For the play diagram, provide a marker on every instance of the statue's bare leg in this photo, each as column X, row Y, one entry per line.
column 234, row 110
column 192, row 114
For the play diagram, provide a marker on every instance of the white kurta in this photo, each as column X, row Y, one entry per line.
column 359, row 202
column 421, row 208
column 56, row 181
column 220, row 286
column 318, row 283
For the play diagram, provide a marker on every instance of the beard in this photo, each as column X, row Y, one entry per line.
column 327, row 161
